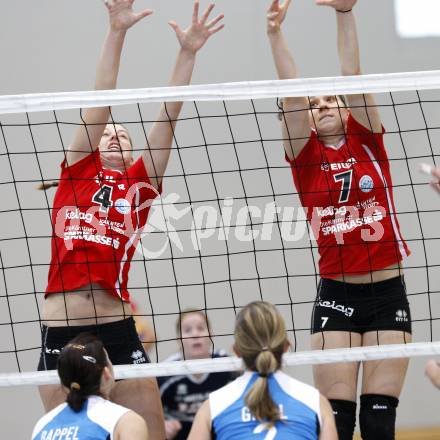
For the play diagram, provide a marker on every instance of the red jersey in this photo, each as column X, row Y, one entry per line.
column 98, row 216
column 347, row 192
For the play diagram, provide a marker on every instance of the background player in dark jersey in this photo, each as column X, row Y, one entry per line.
column 87, row 375
column 99, row 210
column 263, row 403
column 183, row 395
column 342, row 173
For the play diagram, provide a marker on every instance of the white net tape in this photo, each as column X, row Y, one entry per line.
column 344, row 85
column 355, row 354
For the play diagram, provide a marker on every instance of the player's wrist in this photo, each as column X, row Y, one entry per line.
column 341, row 11
column 116, row 34
column 273, row 31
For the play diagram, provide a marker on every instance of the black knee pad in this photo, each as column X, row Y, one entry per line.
column 345, row 417
column 377, row 417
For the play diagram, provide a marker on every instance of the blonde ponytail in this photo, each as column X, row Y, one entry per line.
column 260, row 338
column 258, row 399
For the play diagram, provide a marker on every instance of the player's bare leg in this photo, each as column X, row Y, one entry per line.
column 336, row 381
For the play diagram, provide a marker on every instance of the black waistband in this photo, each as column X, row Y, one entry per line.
column 377, row 287
column 111, row 332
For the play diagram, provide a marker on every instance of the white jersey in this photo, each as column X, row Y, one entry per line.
column 95, row 421
column 298, row 403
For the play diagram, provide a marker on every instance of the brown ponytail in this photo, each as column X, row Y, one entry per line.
column 260, row 338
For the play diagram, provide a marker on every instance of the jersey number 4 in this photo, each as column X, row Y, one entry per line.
column 103, row 197
column 345, row 178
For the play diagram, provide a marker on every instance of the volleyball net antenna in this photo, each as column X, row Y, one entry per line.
column 228, row 228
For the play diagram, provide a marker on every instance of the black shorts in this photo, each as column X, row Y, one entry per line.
column 120, row 339
column 361, row 308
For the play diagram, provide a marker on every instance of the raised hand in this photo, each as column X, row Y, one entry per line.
column 435, row 171
column 122, row 16
column 276, row 15
column 197, row 34
column 339, row 5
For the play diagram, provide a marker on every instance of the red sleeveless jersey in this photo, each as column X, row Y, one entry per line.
column 347, row 192
column 97, row 217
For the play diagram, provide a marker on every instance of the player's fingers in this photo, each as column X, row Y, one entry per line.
column 175, row 27
column 215, row 30
column 195, row 16
column 214, row 21
column 436, row 186
column 140, row 15
column 206, row 13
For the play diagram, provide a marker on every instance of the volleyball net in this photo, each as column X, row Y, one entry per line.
column 228, row 228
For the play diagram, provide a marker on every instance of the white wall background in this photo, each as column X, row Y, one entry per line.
column 50, row 46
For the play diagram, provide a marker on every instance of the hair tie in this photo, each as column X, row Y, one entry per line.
column 75, row 386
column 344, row 12
column 264, row 375
column 265, row 348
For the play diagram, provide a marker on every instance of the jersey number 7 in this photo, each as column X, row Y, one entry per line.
column 345, row 178
column 271, row 432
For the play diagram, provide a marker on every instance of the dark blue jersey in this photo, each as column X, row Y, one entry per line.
column 183, row 395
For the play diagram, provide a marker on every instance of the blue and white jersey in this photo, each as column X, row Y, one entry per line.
column 299, row 406
column 96, row 421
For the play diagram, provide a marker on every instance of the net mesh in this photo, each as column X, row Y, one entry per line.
column 228, row 228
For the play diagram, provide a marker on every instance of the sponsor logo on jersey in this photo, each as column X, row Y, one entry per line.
column 352, row 223
column 401, row 316
column 122, row 206
column 95, row 238
column 325, row 166
column 366, row 183
column 138, row 357
column 368, row 203
column 101, row 177
column 347, row 311
column 182, row 389
column 331, row 210
column 48, row 350
column 79, row 215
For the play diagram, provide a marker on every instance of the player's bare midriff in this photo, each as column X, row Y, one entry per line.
column 375, row 276
column 90, row 305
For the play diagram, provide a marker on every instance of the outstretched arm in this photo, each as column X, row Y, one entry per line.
column 122, row 17
column 363, row 107
column 160, row 137
column 295, row 121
